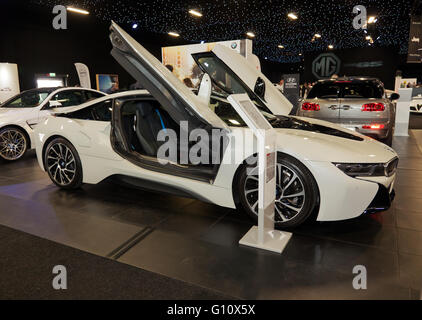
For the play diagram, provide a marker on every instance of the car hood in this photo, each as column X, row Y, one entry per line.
column 324, row 141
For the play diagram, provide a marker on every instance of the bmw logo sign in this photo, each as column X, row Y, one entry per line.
column 234, row 45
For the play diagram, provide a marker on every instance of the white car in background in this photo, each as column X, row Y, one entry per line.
column 416, row 104
column 20, row 114
column 322, row 168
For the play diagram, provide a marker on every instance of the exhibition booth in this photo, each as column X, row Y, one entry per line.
column 172, row 165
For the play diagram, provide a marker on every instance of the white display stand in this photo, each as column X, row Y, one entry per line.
column 9, row 81
column 403, row 113
column 264, row 236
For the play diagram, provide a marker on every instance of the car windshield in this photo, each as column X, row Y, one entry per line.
column 347, row 90
column 225, row 79
column 27, row 99
column 225, row 111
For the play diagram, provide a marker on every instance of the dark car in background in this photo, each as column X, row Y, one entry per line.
column 359, row 104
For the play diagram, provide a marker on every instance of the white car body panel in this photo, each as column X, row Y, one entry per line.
column 28, row 118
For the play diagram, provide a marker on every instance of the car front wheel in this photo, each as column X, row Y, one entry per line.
column 296, row 192
column 13, row 144
column 63, row 164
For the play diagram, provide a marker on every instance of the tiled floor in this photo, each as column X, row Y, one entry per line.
column 198, row 243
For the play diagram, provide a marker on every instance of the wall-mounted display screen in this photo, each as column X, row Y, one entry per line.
column 107, row 83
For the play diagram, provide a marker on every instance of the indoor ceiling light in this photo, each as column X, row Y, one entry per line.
column 195, row 13
column 81, row 11
column 292, row 16
column 330, row 46
column 174, row 34
column 281, row 46
column 250, row 34
column 372, row 19
column 317, row 35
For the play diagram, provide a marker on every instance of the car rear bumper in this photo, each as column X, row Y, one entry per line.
column 374, row 133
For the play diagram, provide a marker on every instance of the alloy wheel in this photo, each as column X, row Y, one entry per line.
column 61, row 164
column 290, row 193
column 12, row 144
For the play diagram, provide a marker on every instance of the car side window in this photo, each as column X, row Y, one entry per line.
column 69, row 98
column 91, row 95
column 27, row 100
column 101, row 111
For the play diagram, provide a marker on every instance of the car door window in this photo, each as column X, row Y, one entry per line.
column 69, row 98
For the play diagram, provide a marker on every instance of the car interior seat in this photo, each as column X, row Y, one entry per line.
column 150, row 120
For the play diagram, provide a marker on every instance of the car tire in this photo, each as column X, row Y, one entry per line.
column 296, row 179
column 63, row 165
column 13, row 143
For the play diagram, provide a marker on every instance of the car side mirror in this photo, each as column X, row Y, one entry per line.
column 54, row 104
column 394, row 96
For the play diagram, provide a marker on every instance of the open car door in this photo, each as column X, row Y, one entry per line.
column 234, row 74
column 178, row 100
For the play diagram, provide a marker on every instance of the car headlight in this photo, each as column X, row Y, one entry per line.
column 369, row 169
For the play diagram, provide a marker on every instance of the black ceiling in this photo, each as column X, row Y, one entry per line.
column 231, row 19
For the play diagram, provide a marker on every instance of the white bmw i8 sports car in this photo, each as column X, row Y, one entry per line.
column 322, row 168
column 20, row 114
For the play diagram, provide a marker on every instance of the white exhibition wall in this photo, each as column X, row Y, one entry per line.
column 9, row 81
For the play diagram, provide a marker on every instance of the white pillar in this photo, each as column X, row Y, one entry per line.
column 9, row 81
column 403, row 113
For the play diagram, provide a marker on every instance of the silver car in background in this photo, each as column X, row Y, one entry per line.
column 359, row 104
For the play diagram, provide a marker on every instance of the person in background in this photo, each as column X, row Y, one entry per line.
column 188, row 83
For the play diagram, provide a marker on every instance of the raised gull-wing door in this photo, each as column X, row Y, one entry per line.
column 178, row 100
column 234, row 74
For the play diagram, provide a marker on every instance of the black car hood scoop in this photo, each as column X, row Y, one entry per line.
column 283, row 122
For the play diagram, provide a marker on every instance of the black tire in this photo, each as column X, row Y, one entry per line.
column 306, row 185
column 63, row 165
column 13, row 143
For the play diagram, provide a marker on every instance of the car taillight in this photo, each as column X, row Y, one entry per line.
column 374, row 126
column 377, row 107
column 307, row 106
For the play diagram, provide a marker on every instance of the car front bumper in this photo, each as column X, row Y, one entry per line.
column 382, row 201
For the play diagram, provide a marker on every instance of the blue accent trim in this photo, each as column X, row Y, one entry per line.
column 161, row 119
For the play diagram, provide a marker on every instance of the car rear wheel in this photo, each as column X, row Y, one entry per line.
column 63, row 164
column 13, row 144
column 296, row 192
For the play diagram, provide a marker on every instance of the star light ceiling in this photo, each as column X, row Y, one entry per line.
column 284, row 30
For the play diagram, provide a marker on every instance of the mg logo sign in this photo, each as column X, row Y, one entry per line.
column 326, row 65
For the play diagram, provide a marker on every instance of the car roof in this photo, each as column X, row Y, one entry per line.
column 350, row 78
column 105, row 98
column 52, row 89
column 124, row 94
